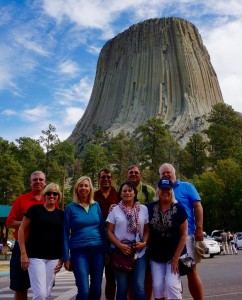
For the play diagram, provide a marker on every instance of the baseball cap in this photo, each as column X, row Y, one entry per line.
column 165, row 183
column 199, row 250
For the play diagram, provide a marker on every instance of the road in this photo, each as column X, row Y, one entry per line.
column 221, row 276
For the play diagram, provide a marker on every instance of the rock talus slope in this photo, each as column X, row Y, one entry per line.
column 159, row 67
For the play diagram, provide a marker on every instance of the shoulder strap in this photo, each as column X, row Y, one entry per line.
column 145, row 192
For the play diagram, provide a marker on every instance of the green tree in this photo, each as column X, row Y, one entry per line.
column 63, row 160
column 11, row 179
column 220, row 190
column 196, row 156
column 224, row 133
column 49, row 139
column 155, row 145
column 93, row 159
column 119, row 151
column 230, row 173
column 31, row 157
column 210, row 188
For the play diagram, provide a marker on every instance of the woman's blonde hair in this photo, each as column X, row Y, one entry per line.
column 91, row 194
column 52, row 187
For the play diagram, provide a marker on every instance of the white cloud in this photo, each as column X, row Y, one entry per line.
column 93, row 49
column 72, row 115
column 79, row 92
column 224, row 44
column 69, row 67
column 8, row 112
column 35, row 114
column 92, row 14
column 27, row 41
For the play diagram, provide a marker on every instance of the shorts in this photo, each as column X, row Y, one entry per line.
column 190, row 242
column 19, row 279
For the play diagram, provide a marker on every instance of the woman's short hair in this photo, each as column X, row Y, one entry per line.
column 91, row 194
column 52, row 187
column 132, row 186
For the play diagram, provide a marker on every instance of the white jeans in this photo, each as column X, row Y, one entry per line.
column 165, row 283
column 42, row 276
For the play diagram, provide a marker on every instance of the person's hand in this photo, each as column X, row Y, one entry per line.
column 126, row 249
column 24, row 261
column 58, row 266
column 198, row 234
column 140, row 245
column 174, row 265
column 67, row 266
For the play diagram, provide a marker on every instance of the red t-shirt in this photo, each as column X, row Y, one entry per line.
column 19, row 208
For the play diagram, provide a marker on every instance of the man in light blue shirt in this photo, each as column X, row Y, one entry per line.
column 187, row 195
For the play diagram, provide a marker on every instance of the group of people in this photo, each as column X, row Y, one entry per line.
column 163, row 225
column 229, row 242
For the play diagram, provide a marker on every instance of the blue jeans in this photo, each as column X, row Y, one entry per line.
column 88, row 261
column 136, row 278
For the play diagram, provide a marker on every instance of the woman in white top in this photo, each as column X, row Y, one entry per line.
column 129, row 221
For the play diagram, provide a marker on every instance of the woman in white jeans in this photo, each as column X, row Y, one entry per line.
column 41, row 254
column 168, row 232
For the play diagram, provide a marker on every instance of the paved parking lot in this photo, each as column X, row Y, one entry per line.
column 221, row 276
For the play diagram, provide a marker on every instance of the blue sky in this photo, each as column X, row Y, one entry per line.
column 49, row 51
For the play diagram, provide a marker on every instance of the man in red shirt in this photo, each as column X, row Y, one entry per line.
column 106, row 196
column 19, row 279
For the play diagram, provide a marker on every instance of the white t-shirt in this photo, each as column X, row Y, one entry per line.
column 118, row 218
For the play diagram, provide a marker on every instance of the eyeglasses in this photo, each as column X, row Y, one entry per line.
column 164, row 173
column 106, row 177
column 52, row 193
column 38, row 179
column 134, row 172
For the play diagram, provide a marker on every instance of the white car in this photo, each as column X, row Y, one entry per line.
column 239, row 243
column 213, row 247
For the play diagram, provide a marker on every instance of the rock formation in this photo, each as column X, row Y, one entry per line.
column 159, row 67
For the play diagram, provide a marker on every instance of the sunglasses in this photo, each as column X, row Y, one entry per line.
column 38, row 179
column 106, row 177
column 52, row 193
column 134, row 172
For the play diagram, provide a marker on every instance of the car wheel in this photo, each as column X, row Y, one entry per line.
column 211, row 255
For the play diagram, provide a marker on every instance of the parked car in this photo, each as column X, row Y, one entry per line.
column 239, row 243
column 4, row 248
column 239, row 234
column 10, row 244
column 213, row 247
column 216, row 234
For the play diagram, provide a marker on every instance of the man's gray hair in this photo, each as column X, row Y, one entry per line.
column 167, row 165
column 37, row 172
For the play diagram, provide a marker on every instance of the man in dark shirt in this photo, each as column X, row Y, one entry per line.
column 106, row 196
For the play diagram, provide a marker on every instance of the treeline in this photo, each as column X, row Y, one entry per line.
column 211, row 160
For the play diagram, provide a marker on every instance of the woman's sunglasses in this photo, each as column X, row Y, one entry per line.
column 52, row 193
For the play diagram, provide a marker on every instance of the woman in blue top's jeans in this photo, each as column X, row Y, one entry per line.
column 84, row 240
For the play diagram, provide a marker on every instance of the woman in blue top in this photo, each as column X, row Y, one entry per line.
column 84, row 240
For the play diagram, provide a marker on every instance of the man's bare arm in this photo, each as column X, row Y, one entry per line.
column 198, row 211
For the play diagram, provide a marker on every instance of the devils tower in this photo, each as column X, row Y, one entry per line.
column 157, row 68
